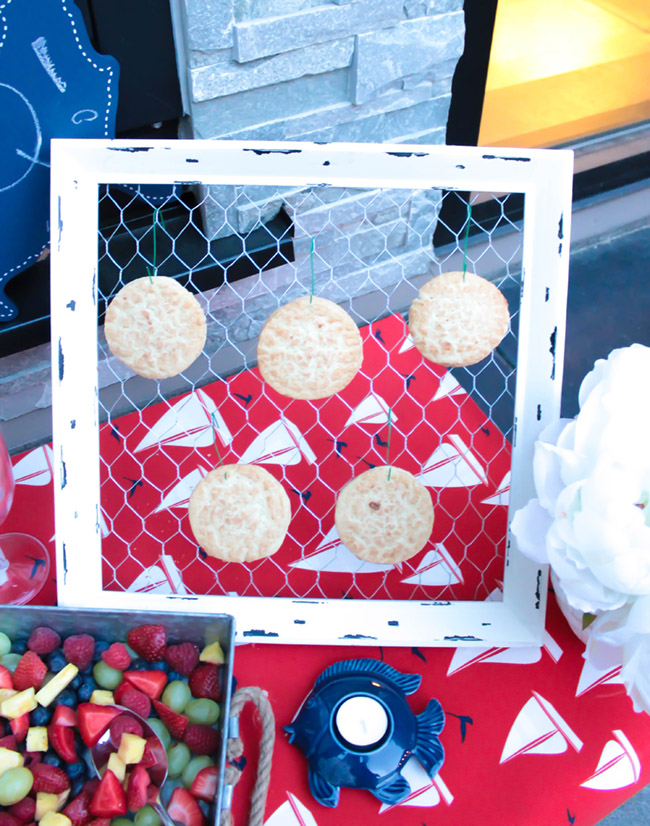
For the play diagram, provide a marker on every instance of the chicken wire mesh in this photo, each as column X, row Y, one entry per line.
column 246, row 250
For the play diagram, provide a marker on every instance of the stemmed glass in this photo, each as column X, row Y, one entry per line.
column 24, row 560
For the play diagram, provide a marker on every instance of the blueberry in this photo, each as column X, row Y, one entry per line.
column 88, row 685
column 76, row 770
column 67, row 698
column 56, row 661
column 174, row 675
column 161, row 666
column 53, row 759
column 76, row 786
column 100, row 647
column 41, row 716
column 138, row 664
column 19, row 646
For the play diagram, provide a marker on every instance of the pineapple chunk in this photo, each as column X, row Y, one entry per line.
column 56, row 684
column 7, row 692
column 131, row 748
column 55, row 819
column 45, row 802
column 9, row 759
column 212, row 653
column 117, row 766
column 100, row 697
column 37, row 738
column 18, row 704
column 62, row 799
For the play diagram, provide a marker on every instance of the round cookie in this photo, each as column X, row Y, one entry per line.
column 239, row 513
column 458, row 319
column 155, row 326
column 384, row 520
column 309, row 349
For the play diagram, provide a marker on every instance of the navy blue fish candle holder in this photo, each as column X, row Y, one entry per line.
column 357, row 731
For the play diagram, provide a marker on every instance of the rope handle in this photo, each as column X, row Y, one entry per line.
column 235, row 749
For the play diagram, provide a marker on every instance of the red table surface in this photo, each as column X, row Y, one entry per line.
column 532, row 736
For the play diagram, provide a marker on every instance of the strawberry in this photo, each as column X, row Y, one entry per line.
column 79, row 649
column 204, row 785
column 174, row 722
column 204, row 682
column 201, row 739
column 61, row 738
column 109, row 799
column 117, row 656
column 149, row 641
column 153, row 794
column 64, row 716
column 183, row 657
column 9, row 742
column 184, row 808
column 154, row 755
column 43, row 640
column 93, row 721
column 126, row 695
column 120, row 725
column 31, row 758
column 30, row 672
column 24, row 810
column 19, row 726
column 78, row 810
column 8, row 820
column 49, row 779
column 100, row 821
column 136, row 791
column 5, row 678
column 150, row 683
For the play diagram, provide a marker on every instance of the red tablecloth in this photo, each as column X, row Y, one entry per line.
column 532, row 736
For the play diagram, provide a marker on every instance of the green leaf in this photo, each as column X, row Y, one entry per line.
column 587, row 619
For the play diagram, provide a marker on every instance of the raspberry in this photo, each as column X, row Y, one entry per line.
column 43, row 640
column 149, row 641
column 121, row 724
column 133, row 699
column 30, row 672
column 117, row 656
column 49, row 779
column 183, row 657
column 204, row 682
column 201, row 739
column 79, row 649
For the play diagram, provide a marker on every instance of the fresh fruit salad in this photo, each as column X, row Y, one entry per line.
column 60, row 698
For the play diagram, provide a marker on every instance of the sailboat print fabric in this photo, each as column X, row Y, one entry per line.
column 153, row 459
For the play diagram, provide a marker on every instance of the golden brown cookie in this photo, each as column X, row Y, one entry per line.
column 155, row 326
column 239, row 513
column 458, row 319
column 384, row 520
column 309, row 349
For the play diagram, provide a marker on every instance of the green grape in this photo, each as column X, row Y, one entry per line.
column 105, row 676
column 10, row 661
column 5, row 644
column 15, row 784
column 159, row 728
column 147, row 816
column 177, row 695
column 202, row 711
column 121, row 821
column 178, row 756
column 194, row 767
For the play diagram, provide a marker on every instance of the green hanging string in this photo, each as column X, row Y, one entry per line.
column 388, row 443
column 469, row 219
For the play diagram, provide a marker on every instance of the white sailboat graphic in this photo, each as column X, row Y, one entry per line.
column 159, row 579
column 425, row 792
column 526, row 655
column 436, row 568
column 539, row 729
column 448, row 387
column 179, row 495
column 502, row 494
column 591, row 677
column 331, row 556
column 291, row 813
column 619, row 765
column 36, row 467
column 407, row 344
column 372, row 410
column 191, row 422
column 281, row 443
column 452, row 465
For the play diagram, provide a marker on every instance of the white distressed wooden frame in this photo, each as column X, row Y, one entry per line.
column 80, row 166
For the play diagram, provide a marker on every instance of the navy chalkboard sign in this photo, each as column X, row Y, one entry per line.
column 52, row 85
